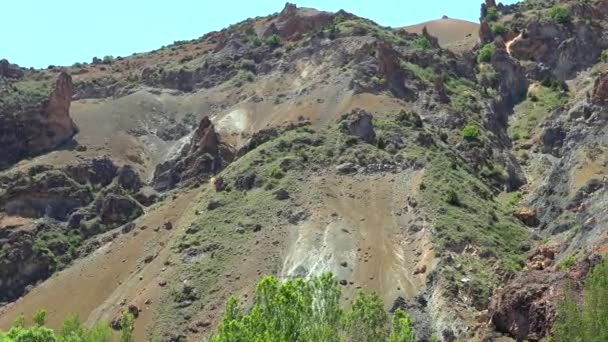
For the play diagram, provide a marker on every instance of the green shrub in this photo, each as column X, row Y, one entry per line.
column 422, row 43
column 471, row 132
column 307, row 311
column 604, row 56
column 498, row 29
column 568, row 262
column 588, row 320
column 492, row 14
column 39, row 317
column 273, row 41
column 452, row 198
column 560, row 14
column 486, row 52
column 277, row 173
column 107, row 59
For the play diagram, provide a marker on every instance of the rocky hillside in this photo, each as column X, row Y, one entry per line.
column 466, row 187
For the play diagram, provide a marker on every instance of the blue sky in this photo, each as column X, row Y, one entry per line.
column 39, row 33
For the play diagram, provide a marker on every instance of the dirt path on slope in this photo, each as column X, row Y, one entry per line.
column 362, row 232
column 101, row 285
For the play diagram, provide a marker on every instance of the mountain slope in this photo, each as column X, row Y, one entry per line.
column 308, row 142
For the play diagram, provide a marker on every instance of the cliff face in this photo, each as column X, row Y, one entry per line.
column 33, row 128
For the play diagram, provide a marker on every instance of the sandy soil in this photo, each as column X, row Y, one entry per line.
column 102, row 284
column 454, row 34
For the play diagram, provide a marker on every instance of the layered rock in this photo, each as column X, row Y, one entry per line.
column 204, row 156
column 58, row 208
column 31, row 130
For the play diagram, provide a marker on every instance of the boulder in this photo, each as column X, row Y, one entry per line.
column 527, row 216
column 116, row 210
column 359, row 123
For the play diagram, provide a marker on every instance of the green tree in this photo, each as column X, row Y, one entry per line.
column 39, row 317
column 308, row 311
column 402, row 328
column 367, row 320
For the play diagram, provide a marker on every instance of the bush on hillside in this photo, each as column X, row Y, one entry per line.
column 560, row 14
column 492, row 14
column 486, row 52
column 422, row 43
column 498, row 29
column 471, row 132
column 273, row 41
column 604, row 56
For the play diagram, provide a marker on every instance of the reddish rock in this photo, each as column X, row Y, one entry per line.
column 600, row 90
column 526, row 308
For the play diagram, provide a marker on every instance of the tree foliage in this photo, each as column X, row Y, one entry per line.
column 560, row 14
column 586, row 321
column 72, row 330
column 299, row 310
column 486, row 52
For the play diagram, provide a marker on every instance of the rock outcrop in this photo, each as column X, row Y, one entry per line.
column 513, row 83
column 27, row 130
column 526, row 308
column 204, row 156
column 9, row 70
column 293, row 23
column 359, row 124
column 600, row 90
